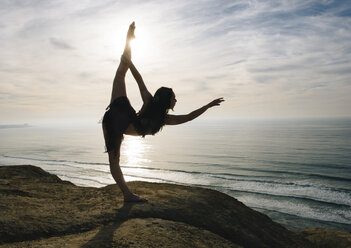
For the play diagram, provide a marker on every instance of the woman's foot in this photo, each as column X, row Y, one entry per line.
column 130, row 34
column 134, row 198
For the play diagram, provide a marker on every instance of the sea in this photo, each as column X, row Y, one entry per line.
column 296, row 171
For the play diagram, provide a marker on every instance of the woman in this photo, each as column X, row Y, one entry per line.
column 120, row 117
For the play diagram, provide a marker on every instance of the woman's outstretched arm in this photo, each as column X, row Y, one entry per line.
column 145, row 94
column 179, row 119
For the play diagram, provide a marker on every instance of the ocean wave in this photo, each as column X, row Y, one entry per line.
column 296, row 198
column 306, row 191
column 233, row 167
column 270, row 172
column 225, row 181
column 53, row 160
column 84, row 181
column 276, row 162
column 300, row 209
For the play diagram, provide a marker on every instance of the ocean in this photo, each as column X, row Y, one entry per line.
column 296, row 171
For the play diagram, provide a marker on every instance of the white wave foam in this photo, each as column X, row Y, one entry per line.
column 300, row 209
column 313, row 192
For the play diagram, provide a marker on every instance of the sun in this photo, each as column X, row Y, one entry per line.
column 142, row 45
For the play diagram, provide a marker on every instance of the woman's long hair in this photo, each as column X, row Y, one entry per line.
column 152, row 119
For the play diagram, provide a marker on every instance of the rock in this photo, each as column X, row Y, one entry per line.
column 135, row 232
column 37, row 209
column 325, row 238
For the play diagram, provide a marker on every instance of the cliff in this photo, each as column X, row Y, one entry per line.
column 37, row 209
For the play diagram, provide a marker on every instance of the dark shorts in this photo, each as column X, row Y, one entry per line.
column 115, row 122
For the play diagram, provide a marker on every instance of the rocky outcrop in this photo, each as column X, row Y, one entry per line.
column 37, row 209
column 325, row 238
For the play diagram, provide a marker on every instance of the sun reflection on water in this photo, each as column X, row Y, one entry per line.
column 133, row 152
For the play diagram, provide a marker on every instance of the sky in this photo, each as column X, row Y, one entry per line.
column 279, row 59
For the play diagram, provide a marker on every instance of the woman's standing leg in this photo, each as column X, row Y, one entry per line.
column 119, row 178
column 116, row 171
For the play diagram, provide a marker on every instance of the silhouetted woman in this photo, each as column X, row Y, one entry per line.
column 120, row 117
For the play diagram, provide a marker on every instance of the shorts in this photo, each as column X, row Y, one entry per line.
column 119, row 115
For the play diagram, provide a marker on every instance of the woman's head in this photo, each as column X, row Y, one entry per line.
column 152, row 119
column 165, row 98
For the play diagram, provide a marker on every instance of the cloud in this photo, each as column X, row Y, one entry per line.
column 286, row 55
column 58, row 43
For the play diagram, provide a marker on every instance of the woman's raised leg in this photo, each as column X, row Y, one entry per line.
column 119, row 85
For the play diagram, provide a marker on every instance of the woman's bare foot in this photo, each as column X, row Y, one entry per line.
column 130, row 34
column 134, row 198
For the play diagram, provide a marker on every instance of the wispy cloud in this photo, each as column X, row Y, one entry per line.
column 60, row 44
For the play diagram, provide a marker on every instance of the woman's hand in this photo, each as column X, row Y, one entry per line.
column 215, row 102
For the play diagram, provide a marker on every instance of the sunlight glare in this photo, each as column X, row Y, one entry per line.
column 142, row 45
column 133, row 152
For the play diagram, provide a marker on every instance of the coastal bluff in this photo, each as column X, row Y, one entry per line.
column 38, row 209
